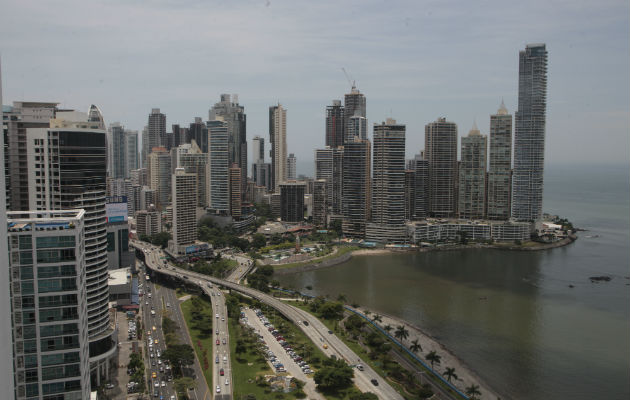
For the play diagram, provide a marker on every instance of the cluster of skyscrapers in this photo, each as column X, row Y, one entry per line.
column 71, row 183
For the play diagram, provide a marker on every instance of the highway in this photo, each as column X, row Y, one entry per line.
column 310, row 325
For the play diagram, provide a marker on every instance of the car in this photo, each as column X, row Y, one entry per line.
column 374, row 382
column 154, row 328
column 217, row 331
column 218, row 342
column 305, row 323
column 159, row 362
column 227, row 381
column 330, row 332
column 146, row 303
column 216, row 360
column 156, row 341
column 221, row 372
column 222, row 318
column 151, row 355
column 163, row 384
column 360, row 367
column 156, row 393
column 109, row 386
column 168, row 304
column 153, row 363
column 224, row 341
column 154, row 375
column 156, row 384
column 325, row 346
column 224, row 359
column 217, row 316
column 218, row 389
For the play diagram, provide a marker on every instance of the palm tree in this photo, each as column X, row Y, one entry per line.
column 433, row 357
column 415, row 346
column 342, row 298
column 366, row 313
column 450, row 373
column 388, row 328
column 473, row 391
column 377, row 318
column 401, row 333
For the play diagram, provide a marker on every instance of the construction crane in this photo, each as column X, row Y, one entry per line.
column 350, row 81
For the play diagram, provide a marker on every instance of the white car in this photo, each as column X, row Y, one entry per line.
column 156, row 384
column 163, row 384
column 227, row 381
column 218, row 389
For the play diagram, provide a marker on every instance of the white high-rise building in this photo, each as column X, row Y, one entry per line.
column 47, row 260
column 278, row 142
column 472, row 175
column 500, row 165
column 218, row 166
column 184, row 210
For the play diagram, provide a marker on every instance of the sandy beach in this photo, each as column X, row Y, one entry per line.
column 466, row 376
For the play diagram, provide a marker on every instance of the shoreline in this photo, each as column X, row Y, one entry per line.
column 466, row 375
column 311, row 266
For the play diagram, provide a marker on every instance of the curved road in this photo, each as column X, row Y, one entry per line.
column 315, row 329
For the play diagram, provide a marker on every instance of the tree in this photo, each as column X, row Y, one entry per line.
column 450, row 373
column 367, row 313
column 473, row 391
column 335, row 375
column 259, row 241
column 179, row 354
column 415, row 346
column 342, row 298
column 434, row 358
column 388, row 328
column 183, row 384
column 377, row 318
column 335, row 225
column 401, row 333
column 240, row 347
column 331, row 310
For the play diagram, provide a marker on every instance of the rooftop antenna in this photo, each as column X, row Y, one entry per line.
column 350, row 81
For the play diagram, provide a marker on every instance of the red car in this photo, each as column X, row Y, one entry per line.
column 221, row 372
column 218, row 343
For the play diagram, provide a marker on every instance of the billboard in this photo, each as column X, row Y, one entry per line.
column 116, row 209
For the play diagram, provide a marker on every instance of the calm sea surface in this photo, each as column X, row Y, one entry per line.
column 533, row 337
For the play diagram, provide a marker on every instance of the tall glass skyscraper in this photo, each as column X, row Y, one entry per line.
column 529, row 135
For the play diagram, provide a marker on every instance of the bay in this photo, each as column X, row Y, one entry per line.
column 511, row 316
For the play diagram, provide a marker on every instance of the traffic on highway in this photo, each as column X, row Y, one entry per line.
column 366, row 379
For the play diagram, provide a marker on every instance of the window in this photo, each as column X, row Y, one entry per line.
column 30, row 332
column 56, row 285
column 53, row 256
column 27, row 287
column 26, row 257
column 31, row 375
column 30, row 361
column 55, row 241
column 25, row 242
column 56, row 271
column 63, row 358
column 111, row 241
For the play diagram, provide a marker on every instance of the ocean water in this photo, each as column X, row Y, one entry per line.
column 511, row 316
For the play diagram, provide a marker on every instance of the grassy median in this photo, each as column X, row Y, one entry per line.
column 202, row 341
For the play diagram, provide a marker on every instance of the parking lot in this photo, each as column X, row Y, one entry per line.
column 280, row 355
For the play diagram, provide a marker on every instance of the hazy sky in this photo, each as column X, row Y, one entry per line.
column 414, row 60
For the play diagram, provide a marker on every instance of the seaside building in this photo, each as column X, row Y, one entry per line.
column 472, row 175
column 388, row 184
column 529, row 134
column 500, row 168
column 441, row 153
column 184, row 210
column 292, row 201
column 335, row 124
column 218, row 166
column 50, row 306
column 234, row 116
column 278, row 142
column 419, row 171
column 356, row 191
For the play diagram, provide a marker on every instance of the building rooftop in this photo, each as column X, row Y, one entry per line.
column 120, row 276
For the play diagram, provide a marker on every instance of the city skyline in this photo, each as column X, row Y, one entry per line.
column 472, row 68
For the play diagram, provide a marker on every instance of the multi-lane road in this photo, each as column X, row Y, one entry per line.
column 367, row 380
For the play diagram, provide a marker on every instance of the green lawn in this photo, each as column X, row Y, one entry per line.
column 341, row 250
column 246, row 367
column 197, row 337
